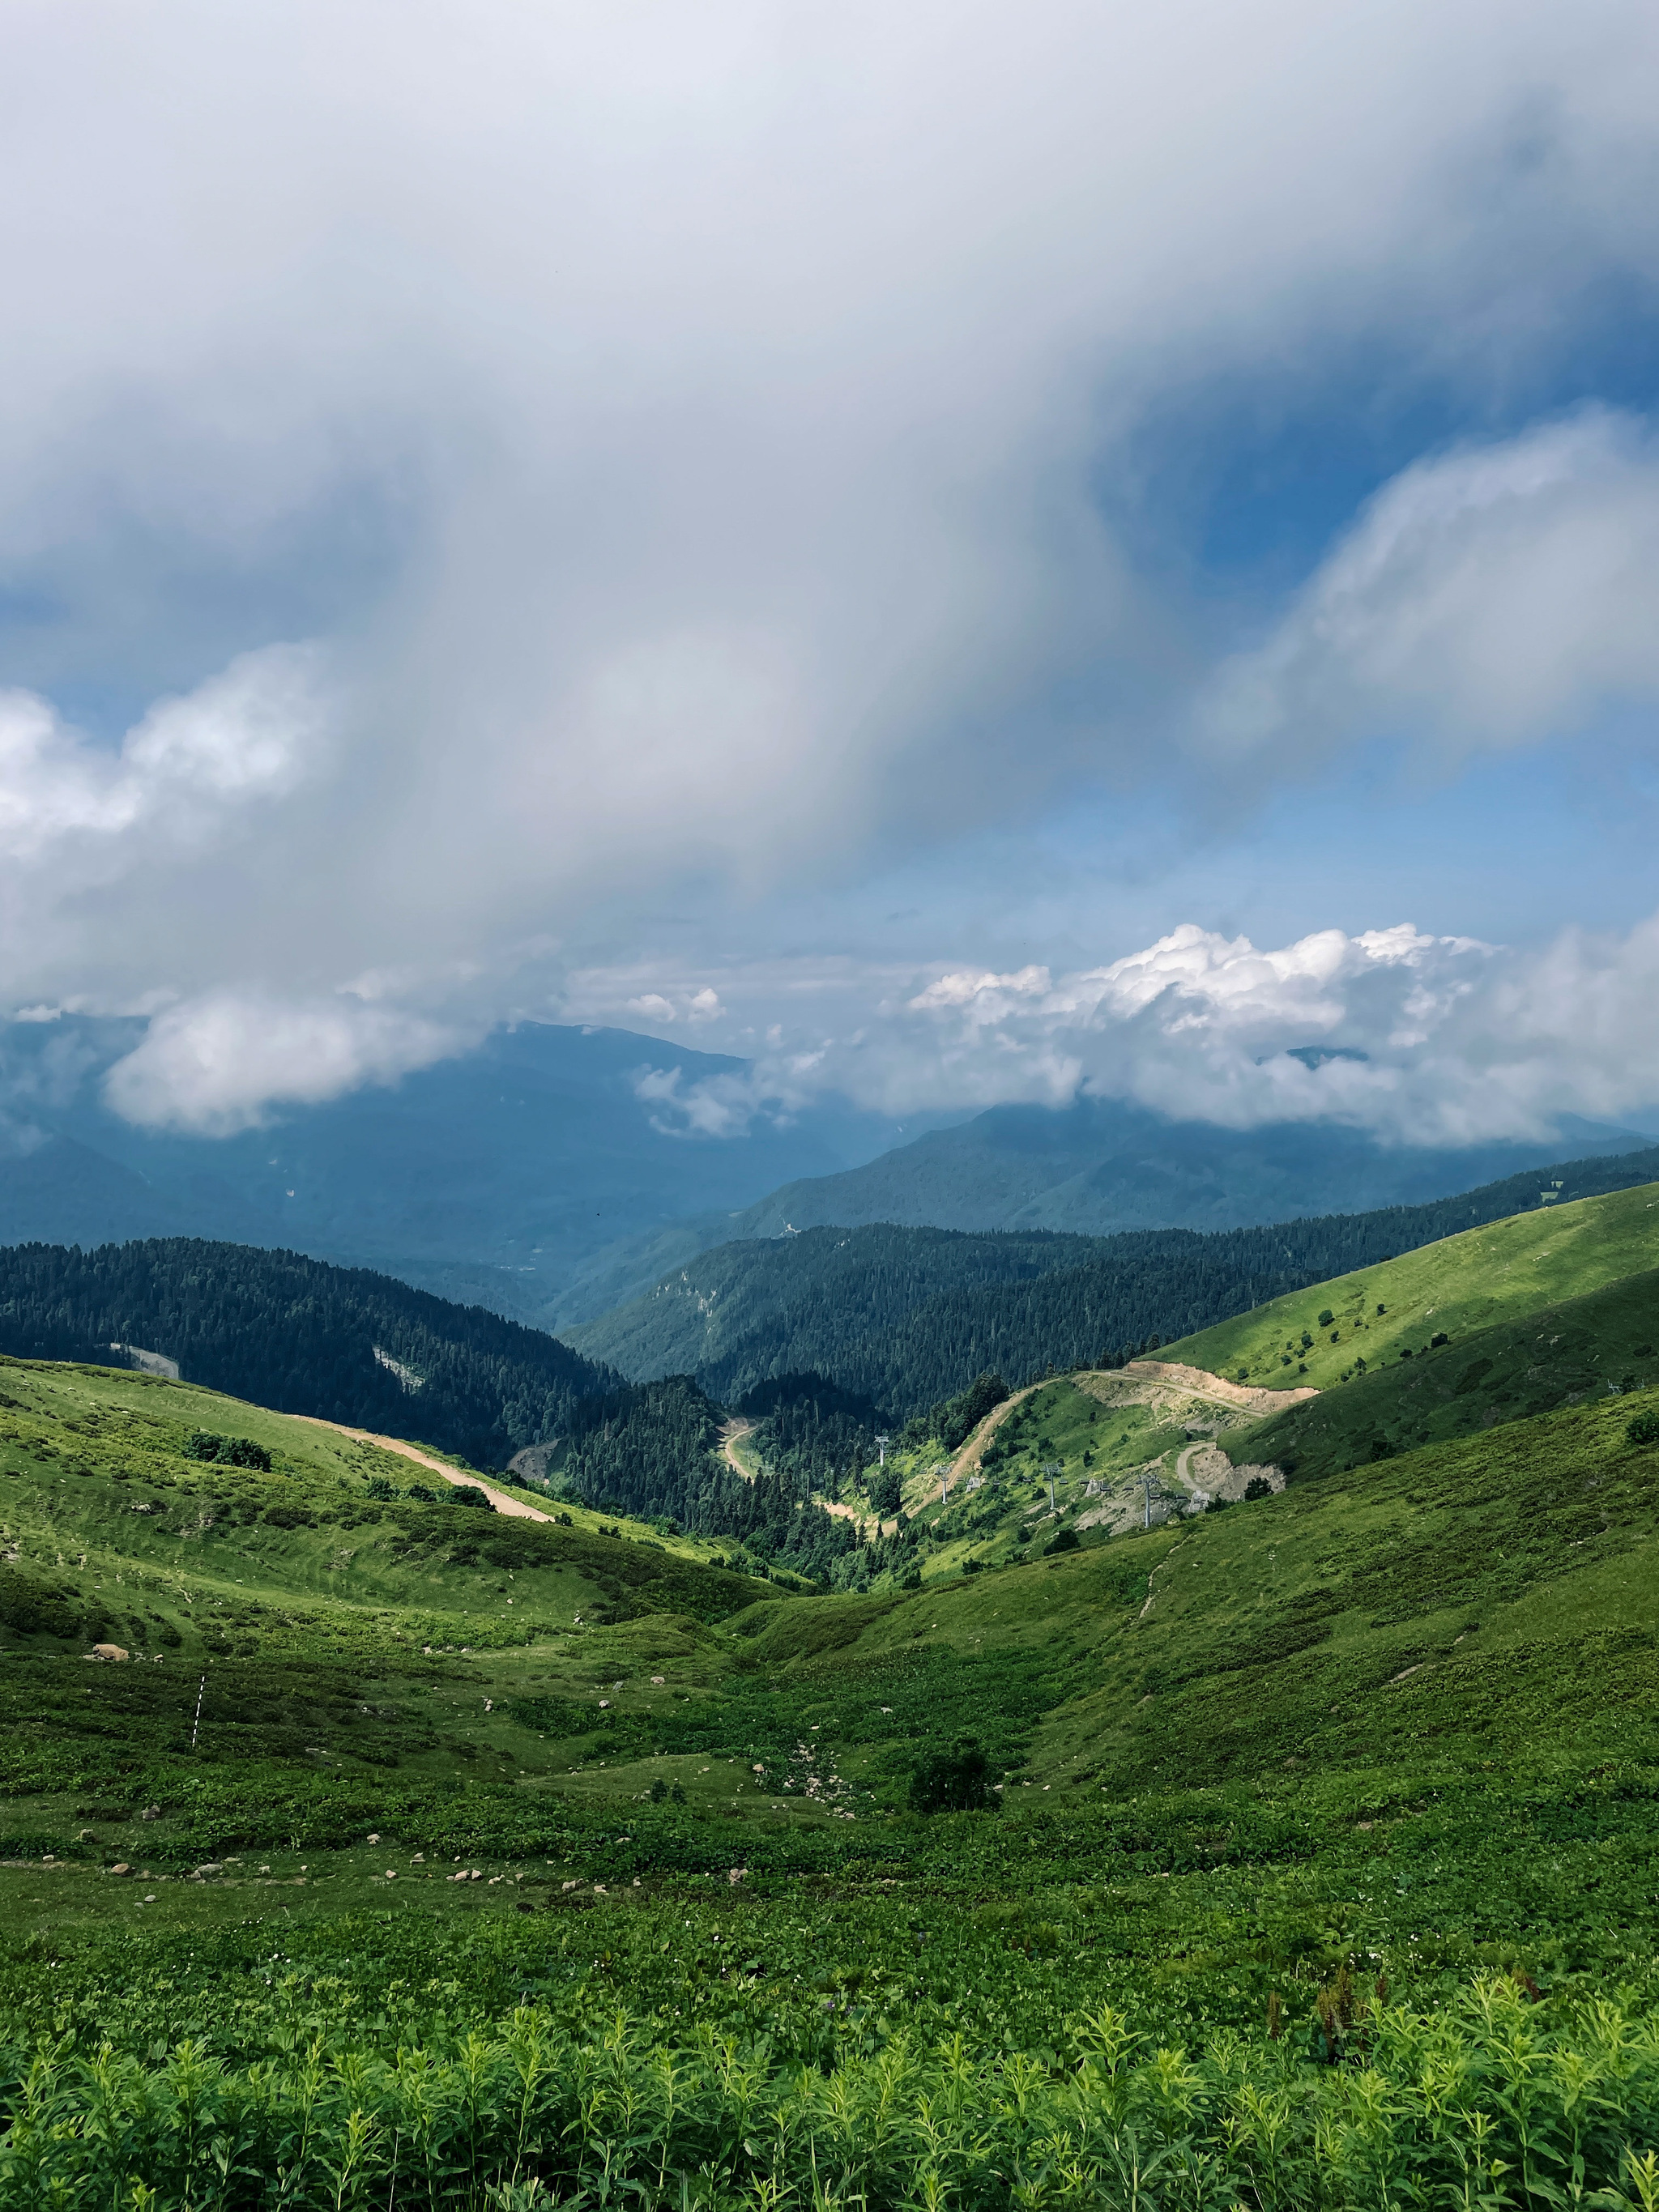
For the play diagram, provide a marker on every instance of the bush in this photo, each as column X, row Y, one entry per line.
column 226, row 1451
column 954, row 1781
column 1065, row 1539
column 419, row 1491
column 1327, row 1318
column 463, row 1493
column 1258, row 1486
column 1644, row 1429
column 380, row 1488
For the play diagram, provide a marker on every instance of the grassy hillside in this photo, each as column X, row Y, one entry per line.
column 905, row 1316
column 1606, row 1341
column 1320, row 1825
column 1491, row 1273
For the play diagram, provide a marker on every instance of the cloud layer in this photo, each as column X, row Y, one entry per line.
column 545, row 463
column 1421, row 1039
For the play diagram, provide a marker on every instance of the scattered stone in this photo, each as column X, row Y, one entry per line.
column 122, row 1867
column 374, row 1839
column 211, row 1867
column 736, row 1875
column 109, row 1651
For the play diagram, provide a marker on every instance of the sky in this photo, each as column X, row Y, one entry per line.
column 960, row 554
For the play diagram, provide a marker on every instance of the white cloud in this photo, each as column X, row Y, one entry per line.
column 220, row 1063
column 1495, row 594
column 685, row 433
column 1422, row 1039
column 250, row 734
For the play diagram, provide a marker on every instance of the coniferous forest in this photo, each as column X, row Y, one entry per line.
column 904, row 1318
column 343, row 1343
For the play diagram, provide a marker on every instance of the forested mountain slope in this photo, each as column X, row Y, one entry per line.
column 302, row 1337
column 905, row 1317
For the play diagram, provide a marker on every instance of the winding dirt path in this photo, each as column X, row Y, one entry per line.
column 731, row 1436
column 514, row 1508
column 968, row 1460
column 1199, row 1383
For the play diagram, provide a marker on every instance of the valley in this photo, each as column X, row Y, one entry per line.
column 1087, row 1781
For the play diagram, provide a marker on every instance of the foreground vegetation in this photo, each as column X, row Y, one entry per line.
column 420, row 1856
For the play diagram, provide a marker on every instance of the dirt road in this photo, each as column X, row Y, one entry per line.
column 512, row 1506
column 1199, row 1383
column 731, row 1436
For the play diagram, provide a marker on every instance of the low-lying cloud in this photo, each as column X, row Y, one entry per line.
column 1418, row 1038
column 231, row 1060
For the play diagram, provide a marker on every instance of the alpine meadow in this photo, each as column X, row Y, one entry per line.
column 378, row 1825
column 829, row 1106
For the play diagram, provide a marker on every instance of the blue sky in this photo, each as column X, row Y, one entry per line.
column 831, row 537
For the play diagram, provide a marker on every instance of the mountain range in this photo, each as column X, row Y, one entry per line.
column 494, row 1176
column 553, row 1173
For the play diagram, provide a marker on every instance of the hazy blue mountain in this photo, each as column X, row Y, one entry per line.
column 494, row 1176
column 1101, row 1166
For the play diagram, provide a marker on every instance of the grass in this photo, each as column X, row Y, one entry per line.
column 1497, row 1274
column 1604, row 1342
column 1326, row 1824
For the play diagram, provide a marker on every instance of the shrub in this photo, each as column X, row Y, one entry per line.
column 226, row 1451
column 1642, row 1429
column 1258, row 1486
column 1065, row 1539
column 954, row 1781
column 463, row 1493
column 1327, row 1318
column 380, row 1488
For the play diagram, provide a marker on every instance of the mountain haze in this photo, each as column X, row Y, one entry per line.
column 905, row 1316
column 1103, row 1165
column 494, row 1177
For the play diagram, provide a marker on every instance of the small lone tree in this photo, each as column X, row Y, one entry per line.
column 1642, row 1429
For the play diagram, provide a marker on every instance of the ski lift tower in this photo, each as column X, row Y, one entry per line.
column 1053, row 1469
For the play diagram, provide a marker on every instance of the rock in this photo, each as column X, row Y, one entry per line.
column 123, row 1867
column 374, row 1839
column 212, row 1867
column 150, row 1812
column 109, row 1651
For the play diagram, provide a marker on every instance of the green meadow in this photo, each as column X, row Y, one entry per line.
column 416, row 1854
